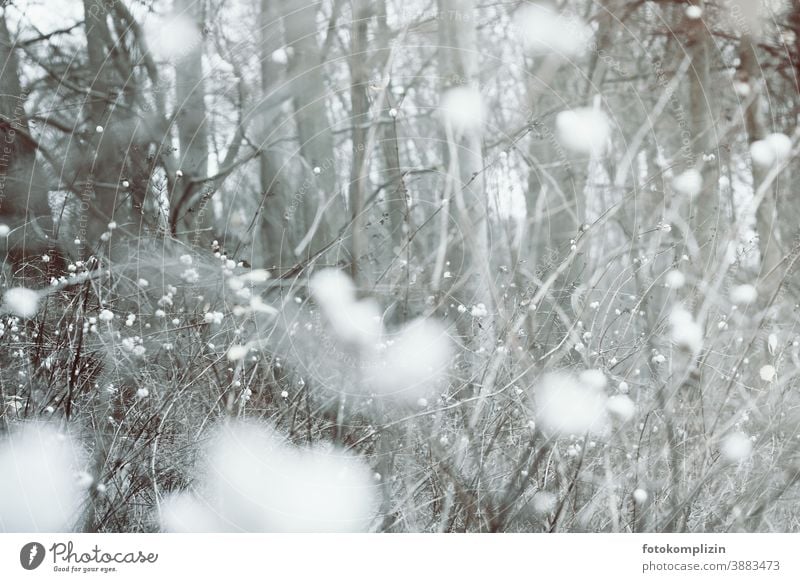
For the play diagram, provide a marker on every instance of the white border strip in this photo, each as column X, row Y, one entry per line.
column 403, row 557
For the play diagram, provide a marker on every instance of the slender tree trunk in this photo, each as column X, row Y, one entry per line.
column 794, row 23
column 276, row 239
column 16, row 148
column 318, row 188
column 197, row 222
column 766, row 213
column 706, row 211
column 23, row 196
column 556, row 208
column 598, row 65
column 360, row 117
column 106, row 160
column 465, row 196
column 396, row 189
column 396, row 207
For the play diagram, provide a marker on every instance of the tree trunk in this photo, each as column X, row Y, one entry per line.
column 276, row 236
column 360, row 118
column 556, row 208
column 318, row 189
column 706, row 212
column 108, row 118
column 766, row 213
column 23, row 194
column 465, row 195
column 197, row 222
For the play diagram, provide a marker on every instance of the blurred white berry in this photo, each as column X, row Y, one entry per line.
column 583, row 130
column 675, row 279
column 621, row 407
column 214, row 317
column 773, row 149
column 593, row 379
column 463, row 109
column 743, row 294
column 736, row 447
column 237, row 352
column 694, row 12
column 22, row 302
column 84, row 480
column 545, row 31
column 767, row 373
column 741, row 88
column 772, row 343
column 479, row 310
column 688, row 183
column 685, row 331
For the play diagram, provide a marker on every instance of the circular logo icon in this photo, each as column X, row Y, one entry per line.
column 31, row 555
